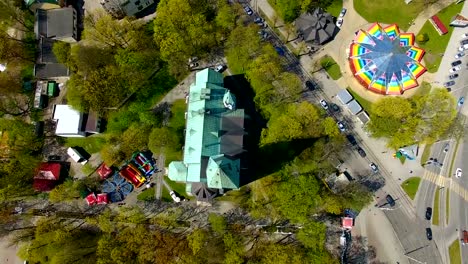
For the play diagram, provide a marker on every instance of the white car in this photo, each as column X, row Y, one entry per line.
column 341, row 126
column 219, row 68
column 343, row 12
column 339, row 22
column 464, row 36
column 324, row 104
column 459, row 55
column 463, row 47
column 458, row 173
column 455, row 69
column 174, row 197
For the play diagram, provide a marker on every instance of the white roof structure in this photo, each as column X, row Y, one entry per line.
column 354, row 107
column 344, row 96
column 68, row 121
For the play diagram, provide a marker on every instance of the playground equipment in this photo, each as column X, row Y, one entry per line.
column 132, row 174
column 144, row 164
column 116, row 188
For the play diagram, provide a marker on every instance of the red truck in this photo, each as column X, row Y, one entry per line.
column 132, row 175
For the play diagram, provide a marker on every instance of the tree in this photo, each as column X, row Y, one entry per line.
column 392, row 107
column 62, row 51
column 218, row 223
column 67, row 191
column 197, row 240
column 275, row 253
column 162, row 138
column 242, row 46
column 422, row 38
column 330, row 127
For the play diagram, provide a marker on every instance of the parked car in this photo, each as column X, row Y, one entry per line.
column 374, row 167
column 324, row 104
column 361, row 152
column 448, row 84
column 343, row 12
column 458, row 172
column 461, row 101
column 310, row 85
column 463, row 47
column 455, row 69
column 339, row 22
column 193, row 65
column 248, row 10
column 351, row 140
column 429, row 233
column 453, row 76
column 258, row 20
column 464, row 42
column 390, row 200
column 459, row 55
column 335, row 107
column 341, row 126
column 174, row 197
column 456, row 63
column 263, row 34
column 465, row 35
column 280, row 51
column 428, row 213
column 220, row 68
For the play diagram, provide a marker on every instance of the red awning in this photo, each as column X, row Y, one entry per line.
column 104, row 171
column 439, row 24
column 102, row 198
column 91, row 199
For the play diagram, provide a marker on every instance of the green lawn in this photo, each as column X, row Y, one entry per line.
column 455, row 254
column 435, row 212
column 335, row 8
column 389, row 12
column 366, row 105
column 92, row 144
column 426, row 153
column 146, row 195
column 176, row 186
column 436, row 45
column 332, row 68
column 177, row 122
column 423, row 89
column 410, row 186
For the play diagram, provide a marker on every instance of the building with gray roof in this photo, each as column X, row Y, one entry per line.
column 354, row 107
column 317, row 27
column 344, row 96
column 58, row 24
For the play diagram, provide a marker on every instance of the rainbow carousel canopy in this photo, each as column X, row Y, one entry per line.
column 385, row 61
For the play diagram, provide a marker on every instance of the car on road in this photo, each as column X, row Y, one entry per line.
column 258, row 20
column 220, row 68
column 428, row 213
column 446, row 148
column 324, row 104
column 458, row 172
column 448, row 84
column 465, row 35
column 456, row 63
column 361, row 152
column 248, row 10
column 351, row 139
column 280, row 51
column 374, row 167
column 335, row 108
column 310, row 85
column 459, row 55
column 455, row 69
column 429, row 233
column 390, row 200
column 339, row 22
column 343, row 12
column 461, row 101
column 463, row 47
column 341, row 126
column 453, row 76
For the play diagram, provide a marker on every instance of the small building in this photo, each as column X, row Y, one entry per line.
column 91, row 199
column 47, row 66
column 102, row 198
column 121, row 8
column 47, row 176
column 354, row 107
column 213, row 139
column 72, row 123
column 347, row 222
column 76, row 156
column 363, row 117
column 344, row 96
column 459, row 21
column 57, row 24
column 317, row 27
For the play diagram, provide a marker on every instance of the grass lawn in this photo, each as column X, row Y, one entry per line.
column 426, row 153
column 447, row 208
column 92, row 144
column 388, row 12
column 436, row 45
column 146, row 195
column 410, row 186
column 235, row 196
column 165, row 196
column 423, row 89
column 454, row 252
column 177, row 186
column 366, row 105
column 332, row 68
column 435, row 213
column 335, row 8
column 177, row 122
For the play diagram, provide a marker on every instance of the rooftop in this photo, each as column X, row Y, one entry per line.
column 68, row 119
column 56, row 23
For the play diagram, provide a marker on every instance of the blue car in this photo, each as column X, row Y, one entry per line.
column 461, row 101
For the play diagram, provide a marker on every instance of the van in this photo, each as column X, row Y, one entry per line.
column 76, row 156
column 390, row 200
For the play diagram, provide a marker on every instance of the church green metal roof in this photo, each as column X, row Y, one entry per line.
column 223, row 172
column 203, row 133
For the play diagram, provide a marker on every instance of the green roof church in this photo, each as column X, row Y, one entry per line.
column 213, row 138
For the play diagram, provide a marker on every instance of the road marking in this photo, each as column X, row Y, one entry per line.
column 442, row 181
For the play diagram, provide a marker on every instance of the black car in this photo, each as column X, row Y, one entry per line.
column 464, row 42
column 453, row 76
column 361, row 152
column 429, row 233
column 456, row 63
column 428, row 213
column 335, row 107
column 351, row 140
column 390, row 200
column 310, row 85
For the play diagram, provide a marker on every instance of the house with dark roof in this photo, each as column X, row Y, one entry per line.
column 57, row 24
column 214, row 139
column 47, row 66
column 121, row 8
column 47, row 176
column 317, row 27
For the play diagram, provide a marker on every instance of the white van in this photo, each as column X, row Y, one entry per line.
column 76, row 156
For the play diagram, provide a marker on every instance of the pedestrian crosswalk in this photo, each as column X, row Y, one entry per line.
column 442, row 181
